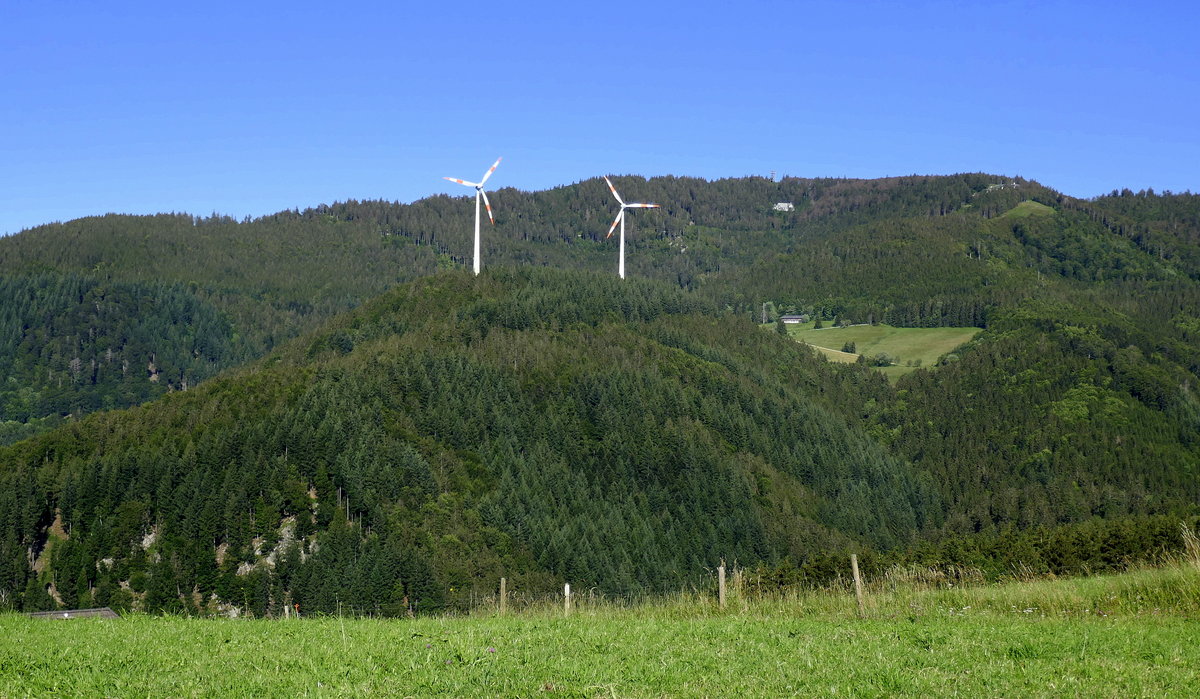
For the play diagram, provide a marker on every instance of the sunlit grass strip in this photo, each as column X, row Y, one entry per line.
column 1121, row 635
column 653, row 652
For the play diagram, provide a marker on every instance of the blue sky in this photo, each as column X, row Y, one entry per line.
column 250, row 108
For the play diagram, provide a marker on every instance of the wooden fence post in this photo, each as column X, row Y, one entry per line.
column 566, row 599
column 858, row 590
column 503, row 596
column 721, row 584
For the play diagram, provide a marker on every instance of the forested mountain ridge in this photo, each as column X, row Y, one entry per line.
column 1054, row 414
column 907, row 251
column 1076, row 405
column 71, row 344
column 536, row 424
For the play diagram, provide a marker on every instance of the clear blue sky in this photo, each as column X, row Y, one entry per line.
column 252, row 107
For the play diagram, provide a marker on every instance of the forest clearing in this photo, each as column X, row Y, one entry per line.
column 907, row 348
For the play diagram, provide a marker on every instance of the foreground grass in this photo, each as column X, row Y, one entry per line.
column 614, row 655
column 1131, row 635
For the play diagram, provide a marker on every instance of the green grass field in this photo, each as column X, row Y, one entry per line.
column 909, row 347
column 1127, row 635
column 1028, row 208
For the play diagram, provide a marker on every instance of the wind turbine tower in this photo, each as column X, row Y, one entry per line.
column 621, row 220
column 479, row 194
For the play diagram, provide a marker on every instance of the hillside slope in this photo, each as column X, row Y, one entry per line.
column 922, row 251
column 540, row 425
column 1077, row 402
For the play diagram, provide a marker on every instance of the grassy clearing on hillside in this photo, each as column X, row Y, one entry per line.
column 908, row 347
column 937, row 642
column 1028, row 208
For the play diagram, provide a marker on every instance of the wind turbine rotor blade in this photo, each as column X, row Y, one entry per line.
column 615, row 222
column 643, row 206
column 614, row 191
column 487, row 205
column 463, row 182
column 492, row 169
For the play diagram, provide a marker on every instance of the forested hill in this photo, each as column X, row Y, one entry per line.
column 113, row 310
column 536, row 424
column 551, row 424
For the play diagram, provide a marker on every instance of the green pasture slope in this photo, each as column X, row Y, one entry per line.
column 909, row 347
column 1127, row 635
column 1028, row 208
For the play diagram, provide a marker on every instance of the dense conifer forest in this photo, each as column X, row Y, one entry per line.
column 335, row 422
column 538, row 424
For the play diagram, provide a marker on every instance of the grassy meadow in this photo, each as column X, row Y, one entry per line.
column 1028, row 208
column 1122, row 635
column 909, row 347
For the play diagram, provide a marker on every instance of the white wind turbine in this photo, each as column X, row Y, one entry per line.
column 621, row 220
column 479, row 194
